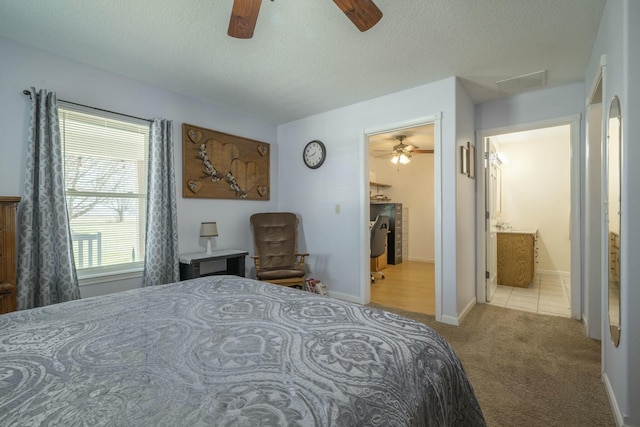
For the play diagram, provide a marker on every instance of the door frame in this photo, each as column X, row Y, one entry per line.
column 595, row 320
column 576, row 210
column 435, row 119
column 490, row 221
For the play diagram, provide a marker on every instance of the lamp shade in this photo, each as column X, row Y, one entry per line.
column 208, row 229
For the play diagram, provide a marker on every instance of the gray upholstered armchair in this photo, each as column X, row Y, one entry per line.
column 275, row 238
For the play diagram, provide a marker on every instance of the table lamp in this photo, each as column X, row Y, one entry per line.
column 208, row 230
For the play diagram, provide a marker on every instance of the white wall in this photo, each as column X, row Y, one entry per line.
column 543, row 108
column 22, row 67
column 618, row 39
column 631, row 211
column 411, row 185
column 338, row 242
column 531, row 107
column 618, row 370
column 465, row 205
column 607, row 50
column 536, row 193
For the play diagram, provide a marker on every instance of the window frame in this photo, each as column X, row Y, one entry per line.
column 121, row 271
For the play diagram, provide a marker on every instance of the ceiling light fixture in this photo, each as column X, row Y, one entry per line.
column 400, row 152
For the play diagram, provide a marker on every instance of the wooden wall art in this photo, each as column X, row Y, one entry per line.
column 217, row 165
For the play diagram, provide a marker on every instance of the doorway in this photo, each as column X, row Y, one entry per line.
column 529, row 200
column 521, row 186
column 409, row 191
column 493, row 193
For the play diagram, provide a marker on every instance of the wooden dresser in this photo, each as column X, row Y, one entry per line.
column 614, row 256
column 516, row 258
column 8, row 207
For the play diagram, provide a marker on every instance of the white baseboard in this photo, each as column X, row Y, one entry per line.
column 345, row 297
column 466, row 310
column 585, row 324
column 456, row 320
column 617, row 415
column 450, row 320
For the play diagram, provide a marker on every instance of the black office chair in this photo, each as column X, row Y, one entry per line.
column 379, row 231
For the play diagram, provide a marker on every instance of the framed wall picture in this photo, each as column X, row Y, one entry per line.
column 216, row 165
column 472, row 160
column 464, row 160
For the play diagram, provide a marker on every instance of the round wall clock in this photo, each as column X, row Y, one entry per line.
column 314, row 154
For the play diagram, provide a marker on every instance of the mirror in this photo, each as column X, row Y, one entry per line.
column 614, row 151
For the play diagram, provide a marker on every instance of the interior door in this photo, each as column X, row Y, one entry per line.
column 492, row 199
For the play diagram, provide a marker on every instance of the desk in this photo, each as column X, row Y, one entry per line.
column 190, row 263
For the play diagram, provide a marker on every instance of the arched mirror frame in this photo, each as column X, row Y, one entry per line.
column 614, row 169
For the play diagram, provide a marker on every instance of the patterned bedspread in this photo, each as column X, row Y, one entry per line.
column 226, row 351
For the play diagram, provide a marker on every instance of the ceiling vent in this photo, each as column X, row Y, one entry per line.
column 524, row 83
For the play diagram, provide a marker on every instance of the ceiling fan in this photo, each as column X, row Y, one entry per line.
column 363, row 13
column 401, row 153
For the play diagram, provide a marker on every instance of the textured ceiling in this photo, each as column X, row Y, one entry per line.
column 306, row 57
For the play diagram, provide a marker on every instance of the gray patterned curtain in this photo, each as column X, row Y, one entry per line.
column 46, row 270
column 161, row 263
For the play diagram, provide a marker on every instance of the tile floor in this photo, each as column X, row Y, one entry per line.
column 547, row 294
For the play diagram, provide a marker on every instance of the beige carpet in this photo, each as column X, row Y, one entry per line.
column 528, row 369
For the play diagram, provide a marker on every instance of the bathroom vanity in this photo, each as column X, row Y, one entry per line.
column 516, row 257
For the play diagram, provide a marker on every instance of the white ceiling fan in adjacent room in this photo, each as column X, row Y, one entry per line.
column 401, row 152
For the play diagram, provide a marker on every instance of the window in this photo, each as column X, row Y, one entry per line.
column 105, row 169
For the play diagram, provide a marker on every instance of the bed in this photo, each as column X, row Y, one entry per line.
column 227, row 351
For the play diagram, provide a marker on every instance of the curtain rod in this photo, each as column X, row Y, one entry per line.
column 28, row 93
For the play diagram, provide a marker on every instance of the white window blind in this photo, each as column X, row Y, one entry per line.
column 105, row 168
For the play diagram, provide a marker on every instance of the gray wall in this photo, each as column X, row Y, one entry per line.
column 22, row 67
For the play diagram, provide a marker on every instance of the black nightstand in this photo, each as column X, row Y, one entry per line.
column 190, row 263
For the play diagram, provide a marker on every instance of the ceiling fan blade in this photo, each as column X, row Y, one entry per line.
column 422, row 151
column 244, row 16
column 363, row 13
